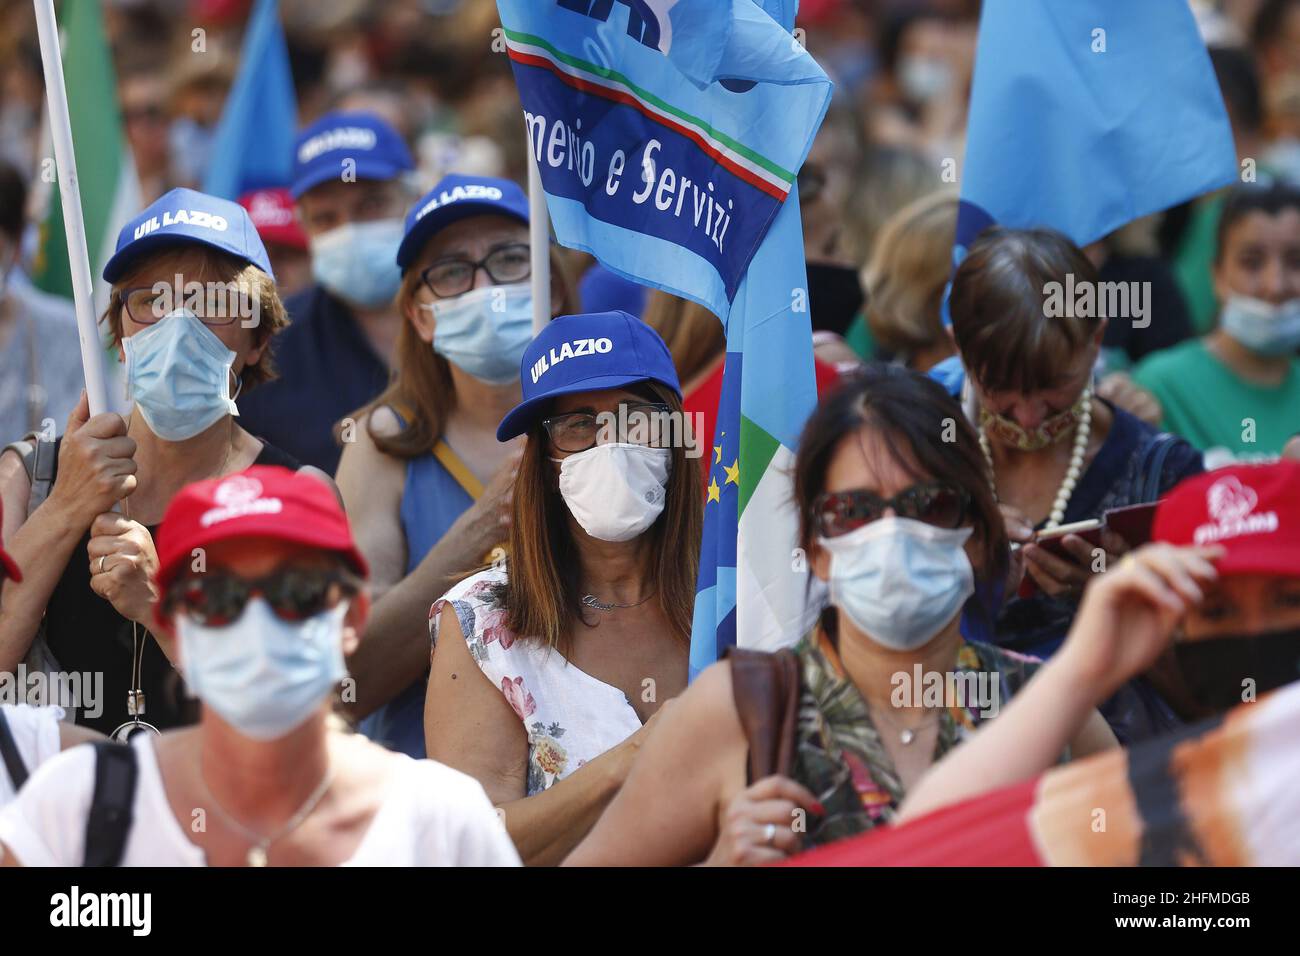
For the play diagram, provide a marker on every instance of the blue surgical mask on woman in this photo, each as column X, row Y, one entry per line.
column 178, row 375
column 262, row 675
column 900, row 581
column 484, row 331
column 358, row 261
column 1262, row 327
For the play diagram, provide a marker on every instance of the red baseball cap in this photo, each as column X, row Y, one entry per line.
column 265, row 501
column 1252, row 511
column 6, row 562
column 273, row 215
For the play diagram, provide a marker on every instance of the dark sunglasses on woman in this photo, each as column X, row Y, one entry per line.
column 934, row 503
column 218, row 598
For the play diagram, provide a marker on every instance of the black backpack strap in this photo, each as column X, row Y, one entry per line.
column 112, row 807
column 13, row 760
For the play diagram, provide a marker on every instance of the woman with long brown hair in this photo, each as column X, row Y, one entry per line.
column 424, row 479
column 584, row 634
column 896, row 515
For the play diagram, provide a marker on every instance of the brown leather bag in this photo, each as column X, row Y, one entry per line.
column 766, row 690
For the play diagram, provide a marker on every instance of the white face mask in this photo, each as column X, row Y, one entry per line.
column 1262, row 327
column 263, row 675
column 615, row 491
column 900, row 581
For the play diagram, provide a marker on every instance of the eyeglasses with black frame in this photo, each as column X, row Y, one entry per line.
column 935, row 503
column 142, row 306
column 451, row 277
column 578, row 431
column 218, row 598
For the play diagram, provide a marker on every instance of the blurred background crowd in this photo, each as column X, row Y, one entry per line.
column 902, row 70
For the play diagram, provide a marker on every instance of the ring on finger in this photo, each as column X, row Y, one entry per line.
column 769, row 833
column 102, row 559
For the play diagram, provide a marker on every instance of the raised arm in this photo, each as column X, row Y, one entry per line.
column 394, row 651
column 1124, row 623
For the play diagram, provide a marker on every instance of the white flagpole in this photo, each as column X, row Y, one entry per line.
column 539, row 239
column 74, row 226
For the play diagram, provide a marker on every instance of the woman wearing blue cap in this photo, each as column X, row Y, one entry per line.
column 193, row 307
column 547, row 672
column 423, row 476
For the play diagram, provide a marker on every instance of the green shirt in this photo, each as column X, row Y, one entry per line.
column 1209, row 405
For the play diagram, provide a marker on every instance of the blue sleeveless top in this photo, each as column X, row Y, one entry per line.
column 432, row 499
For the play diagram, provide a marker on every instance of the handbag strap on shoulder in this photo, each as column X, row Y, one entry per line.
column 766, row 692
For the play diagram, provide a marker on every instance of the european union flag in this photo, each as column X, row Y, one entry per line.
column 253, row 148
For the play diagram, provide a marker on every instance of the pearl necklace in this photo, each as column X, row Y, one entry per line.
column 1081, row 436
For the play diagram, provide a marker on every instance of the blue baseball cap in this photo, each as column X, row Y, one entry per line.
column 456, row 198
column 377, row 150
column 587, row 353
column 184, row 215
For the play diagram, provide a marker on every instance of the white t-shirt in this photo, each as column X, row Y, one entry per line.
column 36, row 732
column 432, row 816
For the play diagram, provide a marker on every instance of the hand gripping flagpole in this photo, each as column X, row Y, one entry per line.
column 539, row 240
column 74, row 226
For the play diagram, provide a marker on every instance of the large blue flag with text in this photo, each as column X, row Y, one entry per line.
column 668, row 135
column 253, row 147
column 1088, row 114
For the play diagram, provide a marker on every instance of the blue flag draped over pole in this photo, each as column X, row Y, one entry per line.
column 1088, row 114
column 253, row 147
column 668, row 134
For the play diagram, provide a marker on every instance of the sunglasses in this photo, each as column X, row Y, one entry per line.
column 840, row 512
column 217, row 599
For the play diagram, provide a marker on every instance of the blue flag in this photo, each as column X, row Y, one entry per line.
column 668, row 135
column 1088, row 114
column 669, row 180
column 253, row 147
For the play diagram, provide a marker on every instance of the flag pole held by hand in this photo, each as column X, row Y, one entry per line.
column 65, row 161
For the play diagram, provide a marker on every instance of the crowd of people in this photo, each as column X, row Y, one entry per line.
column 373, row 579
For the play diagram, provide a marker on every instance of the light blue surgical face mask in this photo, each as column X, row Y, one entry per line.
column 900, row 581
column 358, row 261
column 1262, row 327
column 262, row 675
column 485, row 331
column 178, row 375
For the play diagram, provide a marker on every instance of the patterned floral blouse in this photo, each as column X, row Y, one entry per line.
column 839, row 754
column 570, row 717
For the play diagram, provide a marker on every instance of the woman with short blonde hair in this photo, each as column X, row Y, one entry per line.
column 905, row 278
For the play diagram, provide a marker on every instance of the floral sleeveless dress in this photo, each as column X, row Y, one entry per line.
column 839, row 754
column 570, row 717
